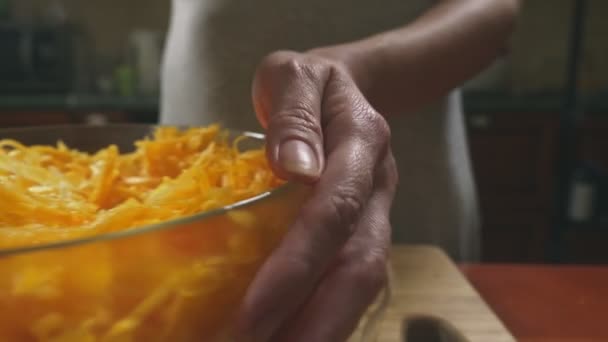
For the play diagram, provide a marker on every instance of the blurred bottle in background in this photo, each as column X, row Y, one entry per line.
column 584, row 193
column 145, row 52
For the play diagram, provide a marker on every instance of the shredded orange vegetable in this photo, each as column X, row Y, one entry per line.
column 180, row 284
column 56, row 193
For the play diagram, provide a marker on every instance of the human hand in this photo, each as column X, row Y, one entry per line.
column 332, row 263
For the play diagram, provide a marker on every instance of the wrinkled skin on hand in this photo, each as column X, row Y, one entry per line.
column 332, row 263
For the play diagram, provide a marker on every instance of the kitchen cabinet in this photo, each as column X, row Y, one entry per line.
column 513, row 157
column 593, row 141
column 19, row 119
column 514, row 160
column 586, row 242
column 514, row 235
column 34, row 110
column 9, row 118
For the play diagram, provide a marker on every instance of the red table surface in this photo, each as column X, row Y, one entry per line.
column 546, row 303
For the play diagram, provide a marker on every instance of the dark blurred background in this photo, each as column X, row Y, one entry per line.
column 538, row 118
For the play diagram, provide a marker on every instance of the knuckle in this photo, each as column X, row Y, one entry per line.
column 374, row 130
column 370, row 274
column 268, row 65
column 367, row 119
column 297, row 119
column 339, row 106
column 294, row 67
column 387, row 177
column 291, row 64
column 320, row 240
column 346, row 206
column 374, row 122
column 391, row 172
column 276, row 59
column 379, row 230
column 381, row 126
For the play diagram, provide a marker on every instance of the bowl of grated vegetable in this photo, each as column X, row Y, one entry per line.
column 133, row 232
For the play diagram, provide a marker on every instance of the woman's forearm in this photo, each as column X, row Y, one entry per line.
column 404, row 69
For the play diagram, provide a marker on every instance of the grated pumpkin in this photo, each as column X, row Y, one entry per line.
column 173, row 285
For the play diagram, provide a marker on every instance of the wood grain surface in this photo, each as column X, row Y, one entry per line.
column 425, row 283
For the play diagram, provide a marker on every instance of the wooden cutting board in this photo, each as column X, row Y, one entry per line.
column 432, row 301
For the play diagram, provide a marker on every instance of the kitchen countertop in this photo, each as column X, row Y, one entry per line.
column 546, row 303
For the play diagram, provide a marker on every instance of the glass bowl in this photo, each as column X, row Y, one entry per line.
column 179, row 280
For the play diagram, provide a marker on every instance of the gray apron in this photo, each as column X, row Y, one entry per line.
column 214, row 46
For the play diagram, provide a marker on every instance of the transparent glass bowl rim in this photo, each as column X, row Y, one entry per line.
column 165, row 225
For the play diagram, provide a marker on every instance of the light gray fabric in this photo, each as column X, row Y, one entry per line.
column 210, row 57
column 436, row 199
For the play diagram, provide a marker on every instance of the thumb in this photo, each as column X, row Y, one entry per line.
column 287, row 95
